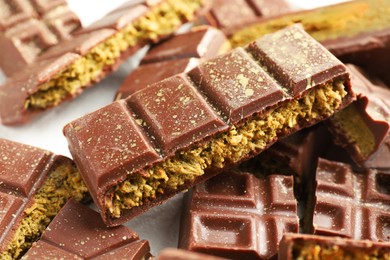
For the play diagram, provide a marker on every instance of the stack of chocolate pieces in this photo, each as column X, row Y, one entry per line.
column 286, row 148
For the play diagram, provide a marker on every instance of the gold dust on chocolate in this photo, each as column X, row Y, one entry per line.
column 226, row 115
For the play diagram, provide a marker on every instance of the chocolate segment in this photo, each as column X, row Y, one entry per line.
column 34, row 185
column 180, row 254
column 226, row 15
column 236, row 215
column 29, row 28
column 176, row 55
column 78, row 232
column 300, row 246
column 363, row 128
column 349, row 204
column 216, row 129
column 102, row 49
column 357, row 32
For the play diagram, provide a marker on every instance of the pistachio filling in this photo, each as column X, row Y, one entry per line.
column 63, row 183
column 326, row 23
column 227, row 147
column 317, row 252
column 161, row 20
column 352, row 124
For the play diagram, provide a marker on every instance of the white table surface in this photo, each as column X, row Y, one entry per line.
column 160, row 225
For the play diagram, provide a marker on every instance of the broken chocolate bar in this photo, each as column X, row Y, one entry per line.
column 357, row 32
column 29, row 27
column 176, row 55
column 136, row 153
column 349, row 204
column 34, row 185
column 363, row 127
column 300, row 246
column 180, row 254
column 96, row 51
column 78, row 232
column 239, row 216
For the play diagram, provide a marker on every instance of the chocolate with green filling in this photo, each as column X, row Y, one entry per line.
column 136, row 153
column 34, row 185
column 300, row 246
column 96, row 51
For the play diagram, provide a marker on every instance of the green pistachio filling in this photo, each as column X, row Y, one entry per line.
column 317, row 252
column 161, row 20
column 227, row 147
column 351, row 123
column 326, row 23
column 63, row 183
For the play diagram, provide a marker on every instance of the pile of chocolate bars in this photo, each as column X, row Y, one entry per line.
column 275, row 121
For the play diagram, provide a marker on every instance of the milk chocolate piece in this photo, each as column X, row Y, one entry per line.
column 363, row 127
column 148, row 74
column 151, row 23
column 201, row 42
column 138, row 152
column 226, row 15
column 349, row 204
column 300, row 246
column 356, row 32
column 77, row 232
column 176, row 55
column 34, row 185
column 29, row 28
column 180, row 254
column 237, row 215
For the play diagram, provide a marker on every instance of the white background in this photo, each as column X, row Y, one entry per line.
column 160, row 225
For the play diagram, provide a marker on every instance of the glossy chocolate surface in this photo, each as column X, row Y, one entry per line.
column 373, row 107
column 29, row 27
column 290, row 244
column 180, row 254
column 153, row 114
column 201, row 42
column 352, row 205
column 77, row 232
column 176, row 55
column 226, row 15
column 237, row 215
column 23, row 170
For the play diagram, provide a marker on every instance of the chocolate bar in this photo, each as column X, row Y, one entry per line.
column 300, row 246
column 363, row 127
column 350, row 204
column 138, row 152
column 34, row 185
column 96, row 51
column 77, row 232
column 29, row 27
column 238, row 216
column 175, row 55
column 179, row 254
column 226, row 15
column 357, row 32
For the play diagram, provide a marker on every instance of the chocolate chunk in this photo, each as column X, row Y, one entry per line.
column 363, row 127
column 180, row 254
column 216, row 130
column 349, row 204
column 226, row 15
column 30, row 28
column 160, row 20
column 348, row 30
column 147, row 74
column 201, row 42
column 77, row 232
column 173, row 56
column 236, row 215
column 300, row 246
column 32, row 179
